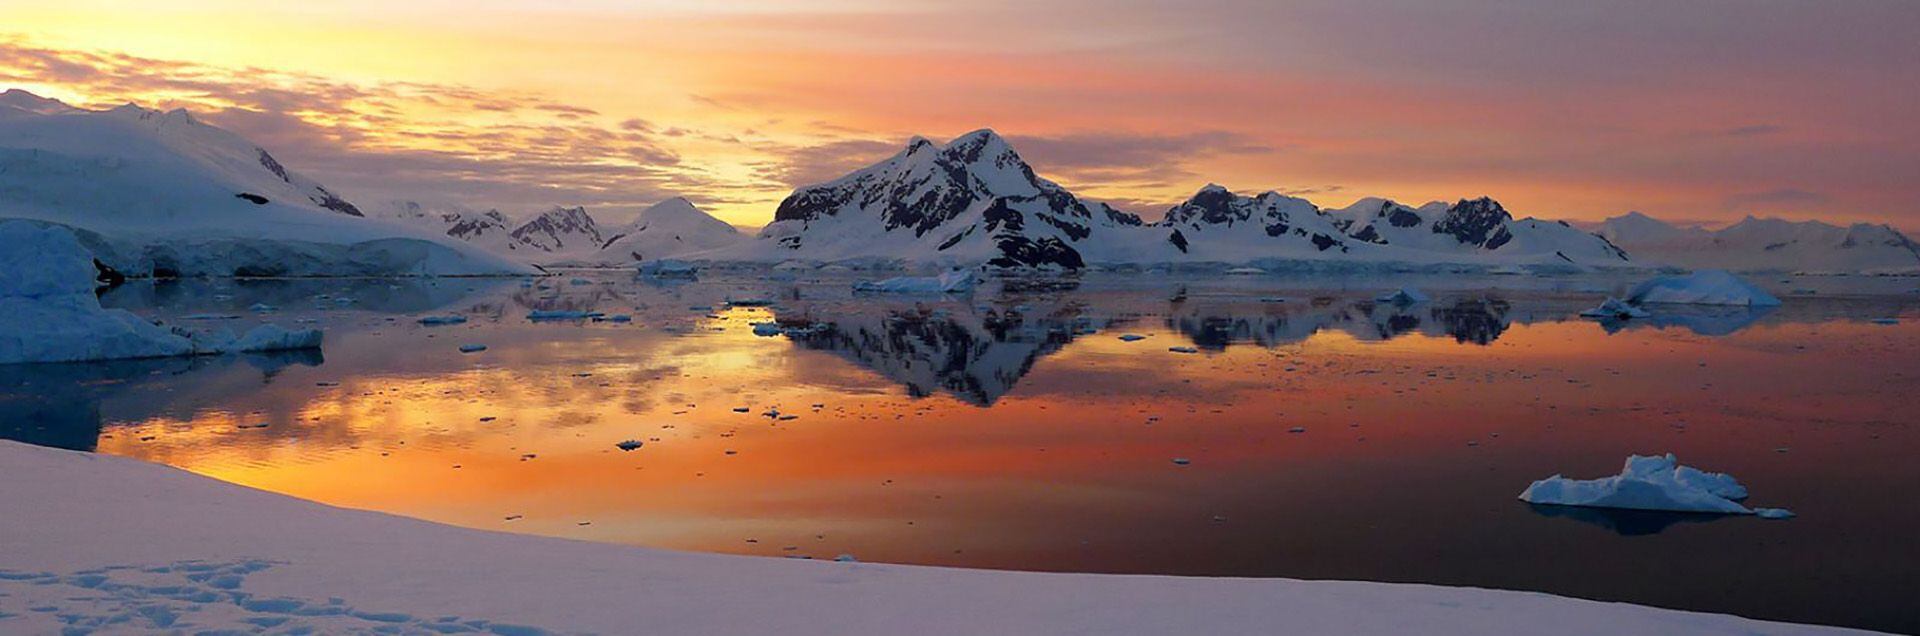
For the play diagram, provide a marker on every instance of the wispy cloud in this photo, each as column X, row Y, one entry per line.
column 395, row 140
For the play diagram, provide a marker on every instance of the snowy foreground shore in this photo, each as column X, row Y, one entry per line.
column 99, row 541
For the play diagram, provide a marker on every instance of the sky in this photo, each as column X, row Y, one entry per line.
column 1698, row 111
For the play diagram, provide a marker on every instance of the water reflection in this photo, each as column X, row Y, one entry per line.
column 1014, row 429
column 59, row 405
column 1626, row 523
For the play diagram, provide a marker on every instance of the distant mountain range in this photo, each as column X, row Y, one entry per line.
column 164, row 193
column 976, row 201
column 571, row 236
column 1756, row 244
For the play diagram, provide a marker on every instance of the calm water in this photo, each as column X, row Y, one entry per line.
column 1016, row 430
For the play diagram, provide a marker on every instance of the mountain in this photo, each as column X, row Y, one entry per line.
column 489, row 230
column 1222, row 225
column 1634, row 228
column 1472, row 230
column 162, row 192
column 670, row 228
column 561, row 231
column 1776, row 245
column 973, row 200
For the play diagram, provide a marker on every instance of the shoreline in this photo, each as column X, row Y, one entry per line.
column 205, row 554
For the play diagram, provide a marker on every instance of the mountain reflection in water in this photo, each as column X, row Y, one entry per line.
column 1013, row 428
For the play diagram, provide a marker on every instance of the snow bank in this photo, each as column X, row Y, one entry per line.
column 953, row 282
column 1648, row 482
column 160, row 549
column 1704, row 287
column 1614, row 309
column 48, row 312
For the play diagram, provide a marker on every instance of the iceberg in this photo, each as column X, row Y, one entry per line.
column 48, row 311
column 1650, row 482
column 1704, row 287
column 952, row 282
column 1614, row 309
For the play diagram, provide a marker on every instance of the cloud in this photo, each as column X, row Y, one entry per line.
column 1782, row 198
column 396, row 140
column 796, row 166
column 1140, row 159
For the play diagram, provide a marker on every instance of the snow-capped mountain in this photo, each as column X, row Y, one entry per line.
column 560, row 231
column 489, row 230
column 1217, row 222
column 1634, row 228
column 1756, row 244
column 670, row 228
column 162, row 192
column 973, row 200
column 1477, row 229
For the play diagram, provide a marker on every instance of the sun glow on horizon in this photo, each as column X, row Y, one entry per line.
column 519, row 105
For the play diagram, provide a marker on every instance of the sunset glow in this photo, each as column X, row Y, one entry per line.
column 1564, row 109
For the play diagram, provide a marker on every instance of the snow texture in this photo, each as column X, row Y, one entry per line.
column 114, row 544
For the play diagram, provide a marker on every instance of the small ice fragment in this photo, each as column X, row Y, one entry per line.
column 1131, row 337
column 472, row 348
column 1181, row 461
column 449, row 319
column 629, row 445
column 1183, row 349
column 1773, row 513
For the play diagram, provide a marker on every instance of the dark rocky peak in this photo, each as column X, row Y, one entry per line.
column 1481, row 222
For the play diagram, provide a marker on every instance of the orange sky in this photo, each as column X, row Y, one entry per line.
column 1559, row 108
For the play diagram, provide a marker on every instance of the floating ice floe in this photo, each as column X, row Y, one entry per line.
column 443, row 320
column 952, row 282
column 1131, row 337
column 1403, row 297
column 629, row 445
column 1704, row 287
column 1614, row 309
column 1246, row 271
column 472, row 348
column 1651, row 482
column 749, row 302
column 766, row 329
column 1183, row 349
